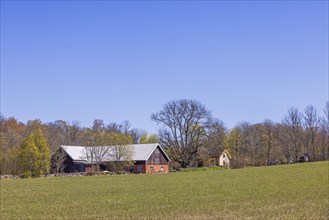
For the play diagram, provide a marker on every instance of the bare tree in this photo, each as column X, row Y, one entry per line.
column 283, row 136
column 73, row 132
column 125, row 127
column 100, row 153
column 98, row 125
column 325, row 126
column 216, row 137
column 58, row 161
column 324, row 138
column 114, row 127
column 122, row 156
column 256, row 148
column 293, row 120
column 311, row 125
column 95, row 155
column 183, row 128
column 120, row 152
column 56, row 134
column 99, row 147
column 88, row 155
column 136, row 135
column 247, row 141
column 235, row 142
column 326, row 111
column 268, row 137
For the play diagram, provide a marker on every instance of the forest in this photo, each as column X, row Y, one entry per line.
column 187, row 131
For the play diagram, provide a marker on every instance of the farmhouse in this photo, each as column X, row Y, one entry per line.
column 147, row 158
column 223, row 160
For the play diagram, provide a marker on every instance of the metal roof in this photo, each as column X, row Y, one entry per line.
column 141, row 152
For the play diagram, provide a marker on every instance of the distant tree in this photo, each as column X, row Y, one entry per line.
column 284, row 138
column 13, row 132
column 57, row 161
column 145, row 139
column 324, row 128
column 235, row 142
column 293, row 121
column 114, row 127
column 98, row 125
column 33, row 126
column 311, row 125
column 56, row 134
column 95, row 155
column 216, row 140
column 113, row 146
column 136, row 135
column 73, row 133
column 13, row 161
column 247, row 143
column 257, row 153
column 324, row 138
column 153, row 138
column 326, row 118
column 203, row 157
column 183, row 128
column 125, row 127
column 98, row 147
column 88, row 154
column 121, row 152
column 34, row 154
column 11, row 137
column 269, row 139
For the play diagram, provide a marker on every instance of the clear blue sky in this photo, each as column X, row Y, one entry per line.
column 81, row 60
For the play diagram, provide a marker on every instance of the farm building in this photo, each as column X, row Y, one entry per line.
column 223, row 160
column 147, row 158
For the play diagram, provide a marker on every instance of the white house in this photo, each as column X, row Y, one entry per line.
column 224, row 159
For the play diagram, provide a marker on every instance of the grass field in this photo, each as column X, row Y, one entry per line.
column 297, row 191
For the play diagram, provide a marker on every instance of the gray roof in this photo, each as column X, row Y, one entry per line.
column 141, row 152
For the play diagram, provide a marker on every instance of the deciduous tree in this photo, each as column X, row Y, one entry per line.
column 293, row 121
column 311, row 123
column 268, row 137
column 145, row 139
column 121, row 152
column 183, row 128
column 34, row 154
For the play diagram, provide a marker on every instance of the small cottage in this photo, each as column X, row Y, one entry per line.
column 147, row 158
column 224, row 159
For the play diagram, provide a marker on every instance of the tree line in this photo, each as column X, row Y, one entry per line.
column 191, row 136
column 187, row 131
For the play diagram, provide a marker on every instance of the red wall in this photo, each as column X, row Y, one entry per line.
column 156, row 168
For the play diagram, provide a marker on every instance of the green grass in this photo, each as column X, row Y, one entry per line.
column 297, row 191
